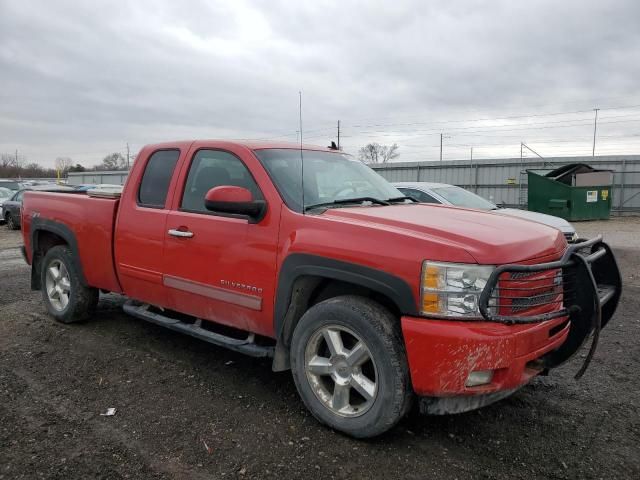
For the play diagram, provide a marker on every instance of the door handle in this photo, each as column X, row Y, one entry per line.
column 180, row 233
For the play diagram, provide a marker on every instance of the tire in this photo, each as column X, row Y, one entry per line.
column 81, row 300
column 11, row 223
column 322, row 372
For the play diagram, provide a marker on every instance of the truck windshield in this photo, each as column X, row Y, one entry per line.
column 328, row 178
column 460, row 197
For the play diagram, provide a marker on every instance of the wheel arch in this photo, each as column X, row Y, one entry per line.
column 306, row 280
column 46, row 234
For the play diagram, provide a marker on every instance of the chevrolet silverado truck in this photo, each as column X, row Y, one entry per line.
column 309, row 257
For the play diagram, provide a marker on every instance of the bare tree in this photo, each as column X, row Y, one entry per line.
column 114, row 161
column 376, row 153
column 63, row 164
column 16, row 166
column 11, row 164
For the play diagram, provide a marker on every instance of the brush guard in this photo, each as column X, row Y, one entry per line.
column 584, row 286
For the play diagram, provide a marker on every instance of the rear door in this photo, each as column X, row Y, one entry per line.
column 220, row 267
column 140, row 230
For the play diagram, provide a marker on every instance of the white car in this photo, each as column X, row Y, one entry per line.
column 446, row 194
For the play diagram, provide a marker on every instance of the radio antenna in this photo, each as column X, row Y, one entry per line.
column 301, row 155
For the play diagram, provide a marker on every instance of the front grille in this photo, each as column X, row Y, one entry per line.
column 585, row 276
column 518, row 293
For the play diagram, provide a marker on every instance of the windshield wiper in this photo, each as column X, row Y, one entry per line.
column 401, row 199
column 345, row 201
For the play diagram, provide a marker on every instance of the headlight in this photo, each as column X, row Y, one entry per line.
column 452, row 289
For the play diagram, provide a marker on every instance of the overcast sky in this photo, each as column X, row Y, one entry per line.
column 83, row 78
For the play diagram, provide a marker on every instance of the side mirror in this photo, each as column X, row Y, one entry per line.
column 234, row 201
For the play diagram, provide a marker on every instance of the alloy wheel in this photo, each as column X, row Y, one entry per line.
column 58, row 285
column 341, row 371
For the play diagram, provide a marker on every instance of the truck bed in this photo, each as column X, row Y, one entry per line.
column 91, row 221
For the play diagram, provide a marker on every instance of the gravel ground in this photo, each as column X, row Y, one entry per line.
column 186, row 409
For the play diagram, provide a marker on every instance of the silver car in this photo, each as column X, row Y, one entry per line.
column 446, row 194
column 5, row 194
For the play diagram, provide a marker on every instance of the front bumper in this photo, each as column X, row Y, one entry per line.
column 442, row 354
column 574, row 298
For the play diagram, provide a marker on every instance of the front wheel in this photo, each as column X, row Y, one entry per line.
column 350, row 367
column 67, row 299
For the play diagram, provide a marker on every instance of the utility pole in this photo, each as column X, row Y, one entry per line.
column 472, row 154
column 338, row 134
column 441, row 147
column 127, row 155
column 595, row 126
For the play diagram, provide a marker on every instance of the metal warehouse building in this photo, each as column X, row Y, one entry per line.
column 505, row 180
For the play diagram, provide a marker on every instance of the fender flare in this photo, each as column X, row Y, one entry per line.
column 299, row 265
column 299, row 276
column 44, row 225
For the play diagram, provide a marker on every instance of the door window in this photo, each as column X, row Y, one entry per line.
column 156, row 178
column 215, row 168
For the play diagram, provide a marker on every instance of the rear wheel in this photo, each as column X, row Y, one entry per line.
column 66, row 298
column 349, row 365
column 11, row 223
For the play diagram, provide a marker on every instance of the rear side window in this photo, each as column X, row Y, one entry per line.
column 215, row 168
column 419, row 195
column 156, row 178
column 10, row 185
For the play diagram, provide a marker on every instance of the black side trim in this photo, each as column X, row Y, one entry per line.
column 297, row 265
column 39, row 224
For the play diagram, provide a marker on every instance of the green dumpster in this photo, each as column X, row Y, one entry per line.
column 573, row 192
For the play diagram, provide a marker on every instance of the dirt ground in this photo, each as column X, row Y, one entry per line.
column 189, row 410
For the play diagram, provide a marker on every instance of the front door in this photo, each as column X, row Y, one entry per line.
column 220, row 268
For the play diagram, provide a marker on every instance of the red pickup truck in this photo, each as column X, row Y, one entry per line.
column 310, row 257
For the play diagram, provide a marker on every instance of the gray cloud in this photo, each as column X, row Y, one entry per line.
column 81, row 79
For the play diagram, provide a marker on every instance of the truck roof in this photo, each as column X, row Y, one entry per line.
column 250, row 144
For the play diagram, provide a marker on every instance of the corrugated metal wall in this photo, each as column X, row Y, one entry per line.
column 112, row 177
column 504, row 181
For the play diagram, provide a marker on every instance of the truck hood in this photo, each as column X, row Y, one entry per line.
column 555, row 222
column 490, row 239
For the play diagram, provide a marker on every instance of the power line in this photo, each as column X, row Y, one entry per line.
column 591, row 101
column 506, row 125
column 425, row 134
column 531, row 115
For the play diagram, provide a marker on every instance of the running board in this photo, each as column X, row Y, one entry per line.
column 246, row 346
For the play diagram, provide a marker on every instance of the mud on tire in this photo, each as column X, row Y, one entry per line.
column 349, row 366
